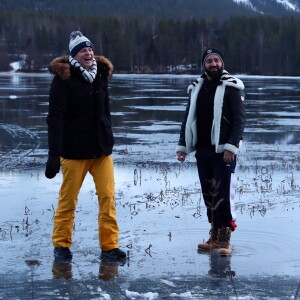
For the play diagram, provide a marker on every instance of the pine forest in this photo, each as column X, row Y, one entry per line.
column 265, row 45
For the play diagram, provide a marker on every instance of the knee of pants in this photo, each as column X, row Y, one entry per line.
column 107, row 208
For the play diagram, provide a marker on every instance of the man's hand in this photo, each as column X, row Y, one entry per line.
column 228, row 157
column 52, row 166
column 181, row 156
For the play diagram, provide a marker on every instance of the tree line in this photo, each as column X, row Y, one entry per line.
column 254, row 45
column 174, row 9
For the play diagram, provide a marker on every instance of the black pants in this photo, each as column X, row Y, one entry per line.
column 215, row 176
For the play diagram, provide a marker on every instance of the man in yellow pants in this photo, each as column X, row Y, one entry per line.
column 80, row 139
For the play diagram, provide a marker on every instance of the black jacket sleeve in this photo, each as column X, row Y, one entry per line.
column 181, row 141
column 234, row 117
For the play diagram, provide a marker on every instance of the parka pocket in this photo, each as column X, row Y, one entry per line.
column 225, row 130
column 225, row 124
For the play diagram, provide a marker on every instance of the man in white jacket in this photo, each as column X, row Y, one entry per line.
column 213, row 127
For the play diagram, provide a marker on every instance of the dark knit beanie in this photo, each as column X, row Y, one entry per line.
column 212, row 51
column 77, row 42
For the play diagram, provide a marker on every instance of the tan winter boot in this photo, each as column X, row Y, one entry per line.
column 212, row 242
column 224, row 235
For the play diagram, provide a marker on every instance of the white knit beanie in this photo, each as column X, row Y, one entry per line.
column 77, row 42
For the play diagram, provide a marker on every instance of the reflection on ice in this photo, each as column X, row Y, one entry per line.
column 283, row 114
column 282, row 122
column 157, row 90
column 160, row 108
column 151, row 97
column 290, row 138
column 158, row 127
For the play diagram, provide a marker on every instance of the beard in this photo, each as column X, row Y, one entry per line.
column 214, row 73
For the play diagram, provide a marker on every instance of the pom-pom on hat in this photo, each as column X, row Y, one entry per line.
column 212, row 51
column 77, row 42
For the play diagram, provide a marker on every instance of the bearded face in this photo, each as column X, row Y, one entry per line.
column 214, row 73
column 213, row 66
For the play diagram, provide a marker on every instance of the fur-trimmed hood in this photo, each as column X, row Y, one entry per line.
column 60, row 66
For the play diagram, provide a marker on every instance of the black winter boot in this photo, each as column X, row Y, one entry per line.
column 113, row 254
column 62, row 253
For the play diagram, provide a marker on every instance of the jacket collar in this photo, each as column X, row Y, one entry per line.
column 60, row 66
column 229, row 80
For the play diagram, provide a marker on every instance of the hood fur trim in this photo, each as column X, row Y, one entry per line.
column 60, row 66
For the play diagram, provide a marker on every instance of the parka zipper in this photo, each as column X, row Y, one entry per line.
column 226, row 120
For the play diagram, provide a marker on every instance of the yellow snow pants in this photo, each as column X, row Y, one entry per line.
column 74, row 172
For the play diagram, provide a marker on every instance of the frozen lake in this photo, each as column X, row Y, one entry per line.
column 161, row 213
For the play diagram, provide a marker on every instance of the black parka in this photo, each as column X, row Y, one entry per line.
column 79, row 121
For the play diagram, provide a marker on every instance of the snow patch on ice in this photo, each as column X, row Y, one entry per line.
column 181, row 295
column 168, row 282
column 134, row 295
